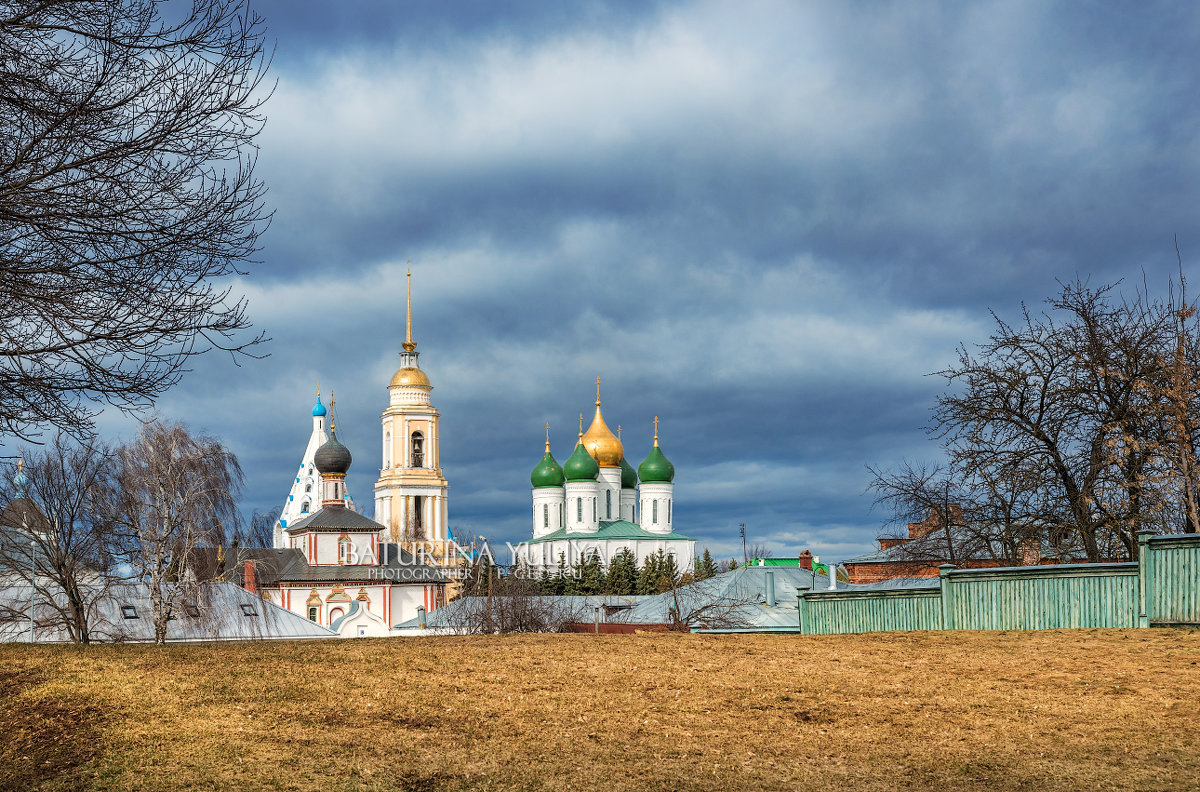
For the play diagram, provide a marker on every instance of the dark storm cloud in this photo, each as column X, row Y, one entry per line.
column 765, row 223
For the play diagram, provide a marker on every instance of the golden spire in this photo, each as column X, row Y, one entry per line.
column 597, row 391
column 409, row 344
column 581, row 427
column 618, row 431
column 656, row 431
column 547, row 437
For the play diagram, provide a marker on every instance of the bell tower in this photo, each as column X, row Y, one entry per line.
column 410, row 495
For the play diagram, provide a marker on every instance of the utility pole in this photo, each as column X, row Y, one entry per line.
column 745, row 558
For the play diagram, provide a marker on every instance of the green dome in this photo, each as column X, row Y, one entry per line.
column 580, row 466
column 547, row 473
column 656, row 468
column 628, row 475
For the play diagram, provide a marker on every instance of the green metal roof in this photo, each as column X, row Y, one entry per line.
column 611, row 529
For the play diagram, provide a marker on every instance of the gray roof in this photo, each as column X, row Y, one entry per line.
column 395, row 564
column 123, row 613
column 336, row 517
column 273, row 567
column 736, row 599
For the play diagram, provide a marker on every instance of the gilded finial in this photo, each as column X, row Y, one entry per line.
column 547, row 437
column 656, row 431
column 581, row 427
column 618, row 431
column 409, row 344
column 597, row 391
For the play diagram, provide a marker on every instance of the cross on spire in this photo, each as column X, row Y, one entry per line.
column 656, row 431
column 597, row 391
column 547, row 437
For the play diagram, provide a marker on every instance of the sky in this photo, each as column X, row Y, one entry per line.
column 765, row 223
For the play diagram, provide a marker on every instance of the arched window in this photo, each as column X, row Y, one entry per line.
column 344, row 549
column 608, row 504
column 387, row 450
column 313, row 610
column 308, row 487
column 593, row 510
column 654, row 511
column 545, row 515
column 304, row 507
column 668, row 510
column 418, row 449
column 579, row 509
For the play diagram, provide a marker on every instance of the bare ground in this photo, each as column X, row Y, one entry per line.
column 1039, row 711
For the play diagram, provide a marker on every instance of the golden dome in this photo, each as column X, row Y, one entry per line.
column 602, row 444
column 411, row 377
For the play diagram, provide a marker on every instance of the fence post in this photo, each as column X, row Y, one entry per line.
column 1144, row 583
column 802, row 609
column 945, row 596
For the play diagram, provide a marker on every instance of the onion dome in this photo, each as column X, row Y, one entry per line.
column 629, row 476
column 547, row 473
column 656, row 468
column 600, row 441
column 580, row 466
column 318, row 408
column 332, row 457
column 20, row 481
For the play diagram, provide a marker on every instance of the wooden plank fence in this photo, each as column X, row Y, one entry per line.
column 1161, row 588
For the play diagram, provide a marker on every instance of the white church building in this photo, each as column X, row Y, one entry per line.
column 596, row 501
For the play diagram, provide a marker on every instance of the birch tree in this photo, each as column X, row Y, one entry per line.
column 174, row 492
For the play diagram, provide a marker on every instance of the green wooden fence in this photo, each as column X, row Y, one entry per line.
column 1162, row 587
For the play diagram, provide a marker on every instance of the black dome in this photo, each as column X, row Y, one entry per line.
column 332, row 457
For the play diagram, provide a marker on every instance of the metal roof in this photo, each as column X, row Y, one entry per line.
column 333, row 517
column 611, row 529
column 219, row 612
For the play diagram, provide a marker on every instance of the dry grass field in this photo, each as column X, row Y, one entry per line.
column 1036, row 711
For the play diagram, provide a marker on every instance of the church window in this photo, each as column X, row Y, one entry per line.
column 387, row 450
column 579, row 509
column 308, row 487
column 654, row 511
column 343, row 549
column 418, row 449
column 668, row 510
column 304, row 508
column 593, row 510
column 545, row 515
column 312, row 613
column 608, row 504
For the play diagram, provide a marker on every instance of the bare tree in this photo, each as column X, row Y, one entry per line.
column 512, row 605
column 174, row 492
column 55, row 541
column 1066, row 398
column 127, row 199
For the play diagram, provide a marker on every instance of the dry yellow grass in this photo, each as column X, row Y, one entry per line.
column 1037, row 711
